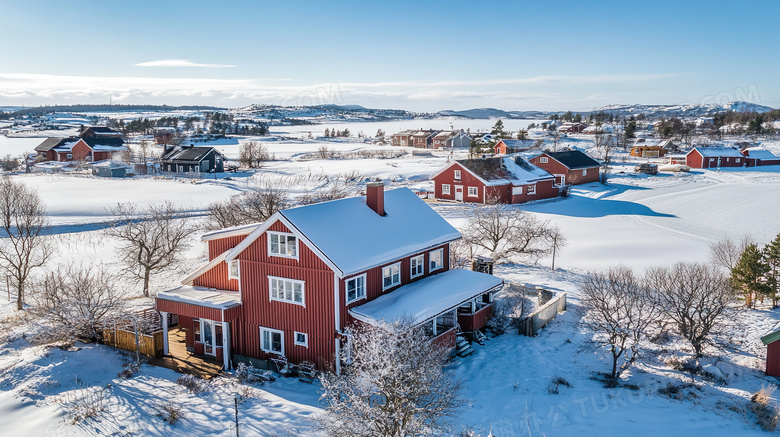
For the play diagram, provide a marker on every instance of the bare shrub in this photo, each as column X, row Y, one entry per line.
column 762, row 405
column 150, row 239
column 77, row 299
column 23, row 223
column 509, row 234
column 324, row 152
column 193, row 383
column 129, row 371
column 82, row 404
column 377, row 394
column 170, row 412
column 619, row 309
column 725, row 253
column 694, row 296
column 254, row 206
column 332, row 188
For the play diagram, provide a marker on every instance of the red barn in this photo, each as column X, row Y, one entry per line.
column 288, row 287
column 714, row 157
column 509, row 179
column 570, row 167
column 770, row 340
column 756, row 156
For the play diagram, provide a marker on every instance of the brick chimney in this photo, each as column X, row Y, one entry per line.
column 375, row 197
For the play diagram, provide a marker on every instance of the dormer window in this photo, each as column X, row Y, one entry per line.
column 233, row 269
column 282, row 244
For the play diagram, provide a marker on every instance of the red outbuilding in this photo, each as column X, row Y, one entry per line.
column 287, row 288
column 770, row 340
column 570, row 167
column 714, row 157
column 509, row 179
column 756, row 157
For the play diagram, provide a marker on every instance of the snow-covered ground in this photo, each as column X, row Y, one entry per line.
column 637, row 220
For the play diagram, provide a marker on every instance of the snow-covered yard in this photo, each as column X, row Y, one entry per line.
column 638, row 221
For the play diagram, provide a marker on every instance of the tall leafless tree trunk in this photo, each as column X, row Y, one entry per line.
column 694, row 296
column 151, row 239
column 23, row 221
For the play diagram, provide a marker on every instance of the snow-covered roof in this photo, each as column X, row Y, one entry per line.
column 202, row 296
column 230, row 232
column 111, row 164
column 427, row 297
column 495, row 171
column 760, row 153
column 715, row 152
column 355, row 238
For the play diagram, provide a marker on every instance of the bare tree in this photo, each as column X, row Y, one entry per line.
column 77, row 299
column 509, row 307
column 509, row 233
column 395, row 385
column 253, row 206
column 694, row 296
column 619, row 309
column 253, row 154
column 461, row 254
column 725, row 253
column 150, row 239
column 23, row 221
column 605, row 146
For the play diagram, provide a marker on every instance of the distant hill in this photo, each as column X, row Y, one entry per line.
column 324, row 113
column 666, row 111
column 485, row 113
column 41, row 110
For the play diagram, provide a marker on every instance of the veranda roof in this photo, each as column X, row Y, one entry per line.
column 428, row 297
column 202, row 296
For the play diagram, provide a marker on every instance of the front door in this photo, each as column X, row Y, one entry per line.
column 208, row 338
column 459, row 192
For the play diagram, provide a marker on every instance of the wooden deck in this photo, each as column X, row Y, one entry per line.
column 185, row 362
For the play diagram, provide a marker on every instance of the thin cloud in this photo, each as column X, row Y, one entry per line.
column 168, row 63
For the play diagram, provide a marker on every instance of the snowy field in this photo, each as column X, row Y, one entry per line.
column 635, row 220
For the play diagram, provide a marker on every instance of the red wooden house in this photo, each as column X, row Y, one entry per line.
column 770, row 340
column 508, row 147
column 509, row 179
column 93, row 144
column 291, row 285
column 569, row 167
column 756, row 157
column 714, row 157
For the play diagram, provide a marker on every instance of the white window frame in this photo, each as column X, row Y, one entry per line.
column 516, row 191
column 440, row 254
column 584, row 171
column 531, row 190
column 457, row 175
column 294, row 282
column 390, row 270
column 445, row 189
column 286, row 235
column 305, row 342
column 543, row 160
column 357, row 296
column 263, row 329
column 419, row 260
column 472, row 192
column 69, row 156
column 230, row 269
column 737, row 161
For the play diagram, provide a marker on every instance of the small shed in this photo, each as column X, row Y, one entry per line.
column 770, row 340
column 110, row 169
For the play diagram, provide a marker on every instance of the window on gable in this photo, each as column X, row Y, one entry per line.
column 473, row 192
column 543, row 160
column 286, row 290
column 417, row 265
column 435, row 260
column 356, row 288
column 272, row 340
column 457, row 175
column 445, row 189
column 391, row 276
column 301, row 339
column 233, row 269
column 281, row 244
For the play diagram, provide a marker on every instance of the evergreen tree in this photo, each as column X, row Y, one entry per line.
column 498, row 129
column 772, row 259
column 327, row 132
column 748, row 275
column 630, row 130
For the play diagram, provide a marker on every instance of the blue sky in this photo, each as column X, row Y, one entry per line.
column 417, row 55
